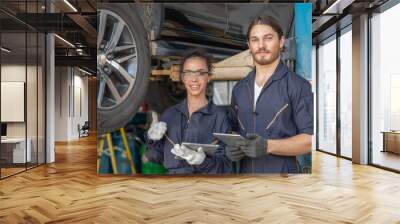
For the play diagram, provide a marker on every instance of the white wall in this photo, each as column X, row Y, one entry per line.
column 13, row 101
column 16, row 73
column 61, row 103
column 81, row 101
column 71, row 102
column 33, row 126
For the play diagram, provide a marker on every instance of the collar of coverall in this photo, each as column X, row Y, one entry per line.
column 279, row 73
column 183, row 108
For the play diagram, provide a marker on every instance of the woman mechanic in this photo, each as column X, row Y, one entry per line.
column 193, row 120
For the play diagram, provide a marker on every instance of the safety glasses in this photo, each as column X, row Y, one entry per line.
column 188, row 74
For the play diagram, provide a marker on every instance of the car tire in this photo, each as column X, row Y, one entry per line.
column 111, row 116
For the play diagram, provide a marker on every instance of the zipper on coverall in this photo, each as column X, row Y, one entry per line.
column 254, row 120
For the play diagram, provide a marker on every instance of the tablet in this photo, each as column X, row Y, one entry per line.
column 230, row 139
column 209, row 149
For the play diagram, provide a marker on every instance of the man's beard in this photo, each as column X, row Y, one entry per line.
column 265, row 60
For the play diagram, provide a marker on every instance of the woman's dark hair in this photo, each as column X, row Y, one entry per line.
column 201, row 53
column 266, row 20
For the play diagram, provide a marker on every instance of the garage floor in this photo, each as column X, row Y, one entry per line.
column 70, row 191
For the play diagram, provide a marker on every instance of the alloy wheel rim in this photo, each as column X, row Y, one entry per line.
column 117, row 64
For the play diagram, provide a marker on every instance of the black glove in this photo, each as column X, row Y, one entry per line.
column 234, row 153
column 256, row 146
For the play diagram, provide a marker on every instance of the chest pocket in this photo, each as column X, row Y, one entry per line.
column 239, row 117
column 277, row 115
column 281, row 124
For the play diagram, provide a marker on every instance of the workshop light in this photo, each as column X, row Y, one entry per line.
column 86, row 72
column 337, row 7
column 79, row 51
column 64, row 40
column 70, row 5
column 5, row 50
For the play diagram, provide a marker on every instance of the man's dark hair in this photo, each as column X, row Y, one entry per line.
column 201, row 53
column 266, row 20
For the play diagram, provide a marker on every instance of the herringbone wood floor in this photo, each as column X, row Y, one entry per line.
column 70, row 191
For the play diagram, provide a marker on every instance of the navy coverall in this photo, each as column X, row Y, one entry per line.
column 283, row 109
column 198, row 129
